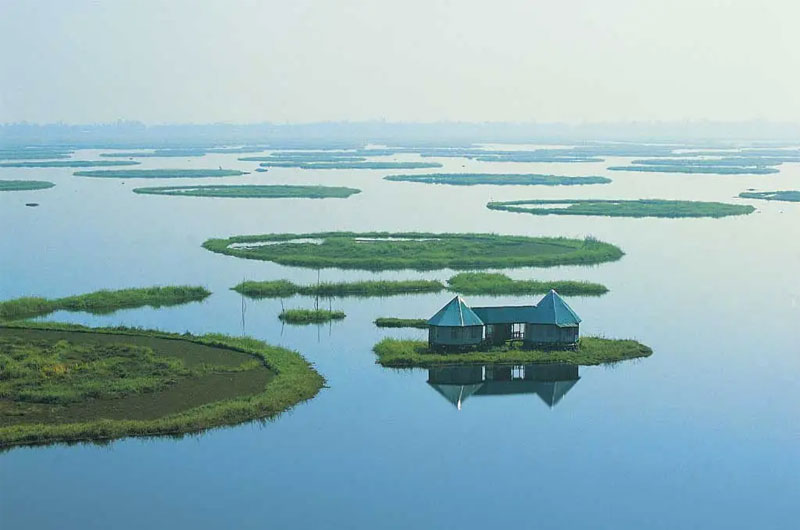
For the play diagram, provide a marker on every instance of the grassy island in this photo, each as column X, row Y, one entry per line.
column 397, row 353
column 34, row 153
column 472, row 179
column 787, row 195
column 495, row 283
column 253, row 192
column 24, row 185
column 338, row 164
column 66, row 383
column 415, row 250
column 282, row 288
column 70, row 163
column 160, row 173
column 393, row 322
column 291, row 158
column 309, row 316
column 623, row 208
column 102, row 302
column 704, row 169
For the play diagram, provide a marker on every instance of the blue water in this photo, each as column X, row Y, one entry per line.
column 703, row 434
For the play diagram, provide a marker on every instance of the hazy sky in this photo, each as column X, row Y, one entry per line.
column 410, row 60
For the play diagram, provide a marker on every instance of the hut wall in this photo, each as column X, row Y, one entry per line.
column 499, row 333
column 455, row 336
column 550, row 334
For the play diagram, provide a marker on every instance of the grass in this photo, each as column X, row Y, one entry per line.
column 309, row 316
column 158, row 153
column 283, row 288
column 293, row 158
column 70, row 163
column 102, row 302
column 625, row 208
column 736, row 161
column 414, row 250
column 65, row 383
column 715, row 170
column 160, row 173
column 495, row 283
column 786, row 195
column 400, row 353
column 393, row 322
column 254, row 192
column 24, row 185
column 472, row 179
column 351, row 165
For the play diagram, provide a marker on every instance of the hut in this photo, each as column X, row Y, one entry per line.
column 551, row 323
column 455, row 326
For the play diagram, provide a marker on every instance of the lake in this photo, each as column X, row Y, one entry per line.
column 702, row 434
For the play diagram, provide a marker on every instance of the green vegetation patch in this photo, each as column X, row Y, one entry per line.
column 398, row 353
column 735, row 161
column 714, row 170
column 787, row 195
column 496, row 283
column 351, row 165
column 253, row 192
column 282, row 288
column 70, row 163
column 102, row 302
column 624, row 208
column 414, row 250
column 393, row 322
column 293, row 158
column 160, row 173
column 309, row 316
column 64, row 383
column 24, row 185
column 472, row 179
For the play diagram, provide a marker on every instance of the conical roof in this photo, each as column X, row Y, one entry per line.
column 455, row 314
column 552, row 309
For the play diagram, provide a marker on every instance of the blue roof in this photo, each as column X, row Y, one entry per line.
column 455, row 314
column 506, row 314
column 552, row 309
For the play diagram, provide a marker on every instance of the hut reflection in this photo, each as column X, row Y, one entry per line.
column 550, row 382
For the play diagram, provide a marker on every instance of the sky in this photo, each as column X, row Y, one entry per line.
column 240, row 61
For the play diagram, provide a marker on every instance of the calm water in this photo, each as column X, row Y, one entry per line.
column 703, row 434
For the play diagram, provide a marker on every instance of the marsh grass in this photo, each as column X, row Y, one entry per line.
column 283, row 288
column 159, row 173
column 310, row 316
column 699, row 169
column 415, row 250
column 624, row 208
column 500, row 284
column 223, row 402
column 473, row 179
column 351, row 165
column 70, row 163
column 24, row 185
column 102, row 302
column 400, row 353
column 253, row 192
column 786, row 195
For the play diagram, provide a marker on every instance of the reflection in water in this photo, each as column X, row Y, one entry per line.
column 548, row 381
